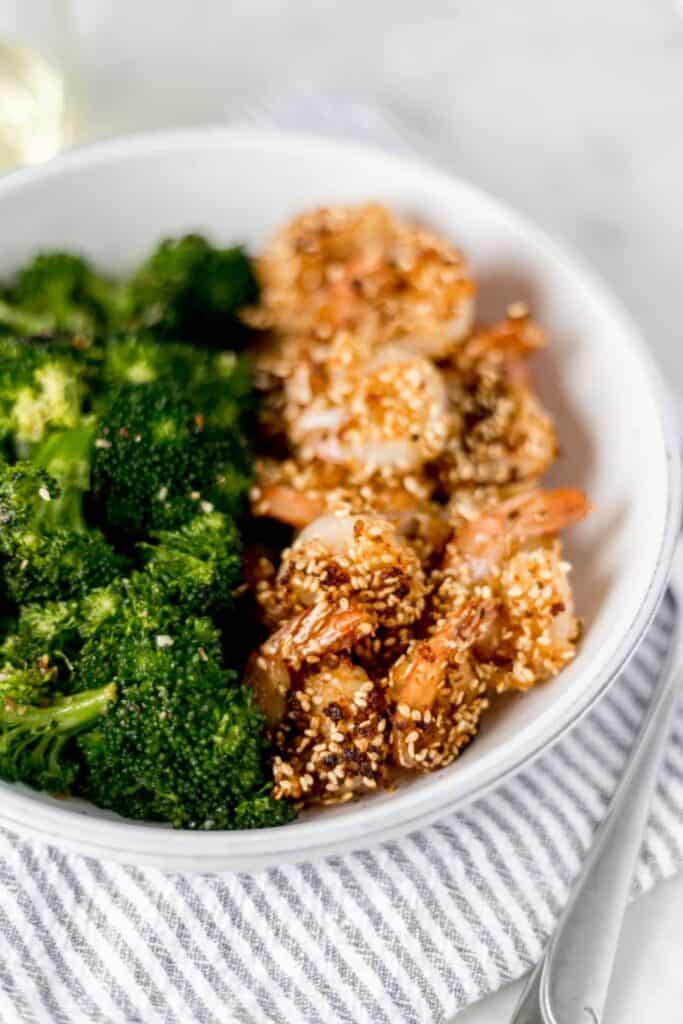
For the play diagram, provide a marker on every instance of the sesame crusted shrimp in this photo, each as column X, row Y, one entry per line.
column 504, row 344
column 360, row 268
column 502, row 529
column 318, row 386
column 297, row 493
column 360, row 558
column 500, row 433
column 510, row 553
column 301, row 642
column 437, row 693
column 397, row 417
column 333, row 741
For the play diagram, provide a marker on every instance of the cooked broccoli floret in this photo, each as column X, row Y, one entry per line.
column 48, row 552
column 262, row 811
column 223, row 388
column 184, row 742
column 157, row 459
column 98, row 607
column 39, row 389
column 49, row 631
column 191, row 291
column 34, row 739
column 60, row 293
column 219, row 383
column 139, row 359
column 200, row 564
column 27, row 684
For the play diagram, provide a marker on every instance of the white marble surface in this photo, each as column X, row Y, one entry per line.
column 571, row 111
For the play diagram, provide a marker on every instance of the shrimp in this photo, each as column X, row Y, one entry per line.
column 319, row 386
column 437, row 694
column 334, row 741
column 395, row 419
column 362, row 269
column 506, row 343
column 500, row 433
column 510, row 553
column 296, row 493
column 360, row 558
column 302, row 641
column 500, row 530
column 293, row 492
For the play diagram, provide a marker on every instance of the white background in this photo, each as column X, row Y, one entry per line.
column 572, row 111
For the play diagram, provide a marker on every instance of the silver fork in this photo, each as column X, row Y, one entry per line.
column 569, row 985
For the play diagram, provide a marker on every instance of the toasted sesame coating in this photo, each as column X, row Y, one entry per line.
column 334, row 739
column 301, row 642
column 511, row 556
column 361, row 268
column 501, row 433
column 396, row 417
column 359, row 558
column 437, row 692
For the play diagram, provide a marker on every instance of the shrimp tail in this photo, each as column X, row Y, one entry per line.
column 539, row 512
column 324, row 628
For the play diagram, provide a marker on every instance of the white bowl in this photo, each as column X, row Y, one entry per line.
column 114, row 200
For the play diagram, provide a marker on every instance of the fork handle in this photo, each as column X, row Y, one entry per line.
column 569, row 986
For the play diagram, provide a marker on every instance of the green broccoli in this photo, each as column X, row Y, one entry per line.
column 139, row 359
column 27, row 684
column 199, row 565
column 184, row 742
column 157, row 460
column 66, row 457
column 123, row 420
column 34, row 740
column 217, row 382
column 188, row 290
column 48, row 556
column 40, row 389
column 59, row 293
column 47, row 631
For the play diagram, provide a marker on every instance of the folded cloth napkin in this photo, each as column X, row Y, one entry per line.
column 411, row 931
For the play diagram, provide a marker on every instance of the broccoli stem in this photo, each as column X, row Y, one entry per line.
column 66, row 456
column 65, row 714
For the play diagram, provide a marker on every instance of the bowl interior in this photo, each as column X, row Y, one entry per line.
column 116, row 200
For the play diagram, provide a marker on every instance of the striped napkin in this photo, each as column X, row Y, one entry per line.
column 411, row 931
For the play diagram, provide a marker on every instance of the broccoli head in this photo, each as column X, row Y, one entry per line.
column 44, row 633
column 199, row 564
column 48, row 556
column 219, row 383
column 138, row 359
column 34, row 738
column 184, row 742
column 59, row 293
column 191, row 291
column 27, row 684
column 157, row 458
column 40, row 389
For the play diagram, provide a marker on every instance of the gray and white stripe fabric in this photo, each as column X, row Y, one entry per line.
column 411, row 931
